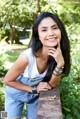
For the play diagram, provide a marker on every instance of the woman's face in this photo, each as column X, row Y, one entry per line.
column 49, row 32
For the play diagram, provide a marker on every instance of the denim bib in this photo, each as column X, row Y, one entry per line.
column 20, row 95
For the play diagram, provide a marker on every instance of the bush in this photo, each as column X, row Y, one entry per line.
column 1, row 95
column 70, row 98
column 70, row 88
column 1, row 101
column 3, row 69
column 4, row 34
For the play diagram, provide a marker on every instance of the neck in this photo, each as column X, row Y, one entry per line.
column 44, row 53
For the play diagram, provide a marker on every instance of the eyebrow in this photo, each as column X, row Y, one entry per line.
column 51, row 26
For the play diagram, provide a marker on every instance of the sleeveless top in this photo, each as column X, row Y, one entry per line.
column 31, row 70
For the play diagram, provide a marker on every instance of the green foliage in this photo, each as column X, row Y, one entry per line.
column 4, row 33
column 70, row 98
column 70, row 87
column 3, row 69
column 1, row 101
column 1, row 95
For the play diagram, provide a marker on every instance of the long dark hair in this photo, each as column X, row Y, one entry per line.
column 36, row 44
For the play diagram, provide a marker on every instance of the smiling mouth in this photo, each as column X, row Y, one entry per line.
column 52, row 39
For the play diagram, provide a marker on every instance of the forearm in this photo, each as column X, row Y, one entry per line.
column 54, row 80
column 56, row 76
column 18, row 85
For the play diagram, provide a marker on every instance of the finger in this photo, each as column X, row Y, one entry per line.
column 44, row 89
column 51, row 48
column 52, row 55
column 52, row 51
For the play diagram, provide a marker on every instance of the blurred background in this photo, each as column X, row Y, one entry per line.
column 16, row 20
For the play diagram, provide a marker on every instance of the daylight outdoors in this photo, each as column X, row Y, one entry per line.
column 16, row 20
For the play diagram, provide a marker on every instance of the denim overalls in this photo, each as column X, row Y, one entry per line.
column 15, row 99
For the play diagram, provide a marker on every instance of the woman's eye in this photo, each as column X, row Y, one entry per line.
column 44, row 30
column 55, row 27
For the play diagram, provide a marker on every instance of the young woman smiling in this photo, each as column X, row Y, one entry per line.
column 38, row 68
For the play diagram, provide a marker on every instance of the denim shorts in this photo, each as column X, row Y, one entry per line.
column 15, row 100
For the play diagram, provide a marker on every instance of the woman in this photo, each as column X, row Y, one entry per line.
column 38, row 68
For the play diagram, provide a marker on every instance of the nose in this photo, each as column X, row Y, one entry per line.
column 50, row 32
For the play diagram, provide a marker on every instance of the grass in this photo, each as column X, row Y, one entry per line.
column 11, row 57
column 11, row 52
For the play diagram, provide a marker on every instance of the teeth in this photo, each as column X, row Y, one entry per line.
column 51, row 39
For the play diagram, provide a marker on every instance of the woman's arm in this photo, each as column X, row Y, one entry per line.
column 54, row 80
column 57, row 55
column 17, row 68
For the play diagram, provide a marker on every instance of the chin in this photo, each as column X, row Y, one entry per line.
column 50, row 44
column 55, row 45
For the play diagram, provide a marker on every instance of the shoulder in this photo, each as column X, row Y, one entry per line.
column 24, row 57
column 28, row 54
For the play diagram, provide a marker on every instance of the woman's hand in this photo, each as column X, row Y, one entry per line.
column 43, row 86
column 56, row 53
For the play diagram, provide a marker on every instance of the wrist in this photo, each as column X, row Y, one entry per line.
column 34, row 89
column 60, row 65
column 50, row 85
column 58, row 71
